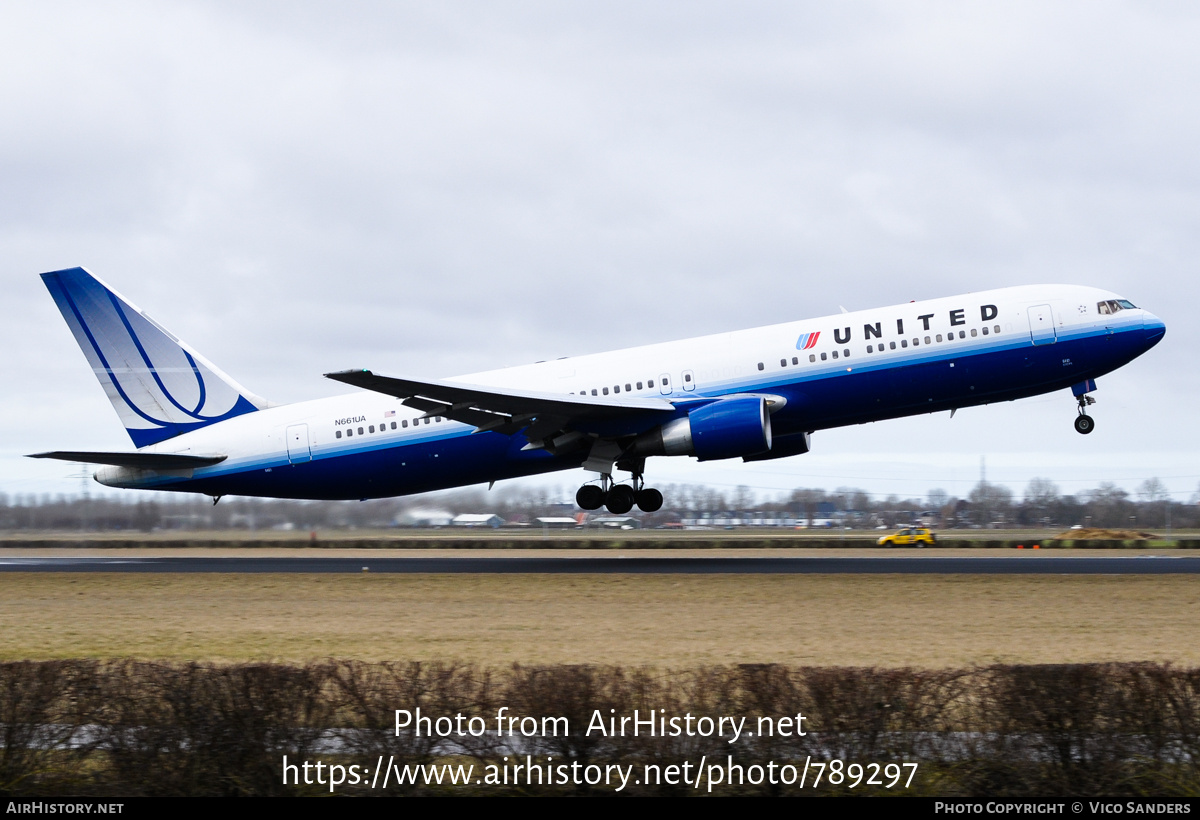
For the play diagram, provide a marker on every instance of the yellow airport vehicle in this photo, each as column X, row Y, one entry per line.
column 910, row 537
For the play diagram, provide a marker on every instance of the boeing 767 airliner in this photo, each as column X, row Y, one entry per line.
column 755, row 394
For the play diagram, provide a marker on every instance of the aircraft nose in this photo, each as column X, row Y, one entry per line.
column 1154, row 328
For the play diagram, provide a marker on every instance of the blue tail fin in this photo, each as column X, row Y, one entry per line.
column 159, row 386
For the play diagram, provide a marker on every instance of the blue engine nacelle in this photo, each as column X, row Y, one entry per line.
column 731, row 428
column 728, row 428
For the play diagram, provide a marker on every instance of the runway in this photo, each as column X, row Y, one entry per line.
column 1024, row 565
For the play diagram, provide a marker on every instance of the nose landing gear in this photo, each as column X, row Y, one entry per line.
column 1083, row 422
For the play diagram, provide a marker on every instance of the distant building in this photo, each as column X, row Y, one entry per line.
column 556, row 522
column 616, row 522
column 478, row 520
column 424, row 518
column 729, row 518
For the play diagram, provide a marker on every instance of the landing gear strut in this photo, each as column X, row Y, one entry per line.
column 619, row 499
column 1083, row 422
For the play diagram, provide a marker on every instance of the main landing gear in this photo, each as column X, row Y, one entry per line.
column 619, row 499
column 1083, row 422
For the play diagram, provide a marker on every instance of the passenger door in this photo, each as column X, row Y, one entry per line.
column 297, row 444
column 1041, row 325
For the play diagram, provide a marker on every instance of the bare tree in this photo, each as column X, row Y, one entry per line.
column 937, row 498
column 1152, row 490
column 1109, row 506
column 1040, row 498
column 991, row 503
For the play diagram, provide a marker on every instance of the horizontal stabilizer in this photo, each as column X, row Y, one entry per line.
column 140, row 461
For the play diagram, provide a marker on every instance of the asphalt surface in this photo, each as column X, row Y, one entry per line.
column 1024, row 565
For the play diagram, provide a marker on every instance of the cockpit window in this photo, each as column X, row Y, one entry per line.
column 1113, row 305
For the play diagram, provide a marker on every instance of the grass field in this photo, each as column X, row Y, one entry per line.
column 660, row 620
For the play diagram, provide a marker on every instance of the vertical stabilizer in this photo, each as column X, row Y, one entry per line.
column 159, row 386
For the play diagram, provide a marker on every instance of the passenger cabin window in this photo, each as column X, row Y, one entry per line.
column 891, row 345
column 783, row 362
column 616, row 388
column 974, row 333
column 985, row 331
column 870, row 348
column 846, row 353
column 640, row 385
column 823, row 357
column 812, row 357
column 760, row 365
column 834, row 354
column 337, row 434
column 996, row 329
column 360, row 432
column 650, row 383
column 393, row 425
column 628, row 388
column 404, row 423
column 795, row 360
column 371, row 428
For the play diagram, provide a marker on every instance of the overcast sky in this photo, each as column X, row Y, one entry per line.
column 439, row 188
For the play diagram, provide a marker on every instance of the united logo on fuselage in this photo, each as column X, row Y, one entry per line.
column 876, row 330
column 807, row 340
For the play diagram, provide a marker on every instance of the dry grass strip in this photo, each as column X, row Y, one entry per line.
column 660, row 620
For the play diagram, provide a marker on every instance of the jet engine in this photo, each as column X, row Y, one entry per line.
column 728, row 428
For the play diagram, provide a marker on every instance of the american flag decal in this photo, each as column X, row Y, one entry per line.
column 807, row 340
column 389, row 414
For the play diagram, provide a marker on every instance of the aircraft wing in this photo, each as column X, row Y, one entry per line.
column 141, row 461
column 504, row 410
